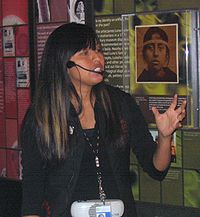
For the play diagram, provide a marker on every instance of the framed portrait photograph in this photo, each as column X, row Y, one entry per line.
column 157, row 53
column 162, row 60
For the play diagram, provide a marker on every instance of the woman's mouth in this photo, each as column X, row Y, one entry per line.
column 98, row 70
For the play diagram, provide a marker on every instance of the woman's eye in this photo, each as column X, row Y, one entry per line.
column 100, row 50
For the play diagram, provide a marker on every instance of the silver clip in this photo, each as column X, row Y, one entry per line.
column 71, row 130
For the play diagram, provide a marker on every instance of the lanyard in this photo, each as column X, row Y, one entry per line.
column 95, row 150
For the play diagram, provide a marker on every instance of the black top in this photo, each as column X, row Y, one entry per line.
column 56, row 183
column 87, row 185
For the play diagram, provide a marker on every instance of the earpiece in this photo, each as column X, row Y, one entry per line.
column 70, row 64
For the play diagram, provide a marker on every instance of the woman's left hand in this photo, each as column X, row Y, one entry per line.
column 169, row 121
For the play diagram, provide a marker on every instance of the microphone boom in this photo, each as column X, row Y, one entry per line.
column 71, row 64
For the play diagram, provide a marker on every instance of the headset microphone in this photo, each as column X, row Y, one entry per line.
column 71, row 64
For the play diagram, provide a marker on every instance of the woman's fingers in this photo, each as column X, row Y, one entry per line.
column 155, row 111
column 174, row 102
column 181, row 111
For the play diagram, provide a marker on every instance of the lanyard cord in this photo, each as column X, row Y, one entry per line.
column 95, row 150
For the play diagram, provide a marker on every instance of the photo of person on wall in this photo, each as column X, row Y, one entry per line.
column 156, row 55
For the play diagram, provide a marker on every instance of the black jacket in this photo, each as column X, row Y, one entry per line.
column 56, row 183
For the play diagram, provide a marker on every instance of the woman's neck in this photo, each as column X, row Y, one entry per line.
column 87, row 116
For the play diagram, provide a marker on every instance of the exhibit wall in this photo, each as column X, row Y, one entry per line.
column 14, row 82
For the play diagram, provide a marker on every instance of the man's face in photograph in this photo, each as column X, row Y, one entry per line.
column 155, row 53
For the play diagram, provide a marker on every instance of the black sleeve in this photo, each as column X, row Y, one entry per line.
column 33, row 172
column 142, row 141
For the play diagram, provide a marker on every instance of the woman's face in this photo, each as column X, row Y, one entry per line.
column 89, row 59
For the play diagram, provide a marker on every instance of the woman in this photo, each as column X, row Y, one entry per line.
column 78, row 132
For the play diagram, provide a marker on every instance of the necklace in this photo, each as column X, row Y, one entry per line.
column 95, row 150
